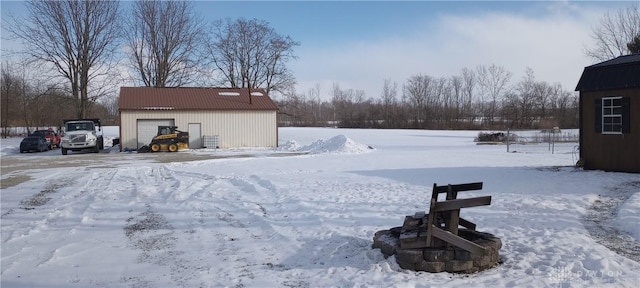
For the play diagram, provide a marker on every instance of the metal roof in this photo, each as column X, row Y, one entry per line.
column 622, row 72
column 194, row 98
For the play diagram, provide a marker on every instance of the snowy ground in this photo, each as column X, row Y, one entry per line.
column 304, row 215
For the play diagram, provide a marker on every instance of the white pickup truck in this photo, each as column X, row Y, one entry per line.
column 81, row 134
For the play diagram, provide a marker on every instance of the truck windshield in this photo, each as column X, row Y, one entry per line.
column 79, row 126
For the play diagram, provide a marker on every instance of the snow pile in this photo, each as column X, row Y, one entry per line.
column 339, row 144
column 291, row 146
column 10, row 148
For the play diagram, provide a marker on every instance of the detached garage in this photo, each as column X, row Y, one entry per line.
column 214, row 117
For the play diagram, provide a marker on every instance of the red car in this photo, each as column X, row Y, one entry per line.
column 53, row 139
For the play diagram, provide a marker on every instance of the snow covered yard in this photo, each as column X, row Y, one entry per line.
column 255, row 218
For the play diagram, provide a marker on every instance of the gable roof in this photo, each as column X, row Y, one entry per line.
column 622, row 72
column 194, row 98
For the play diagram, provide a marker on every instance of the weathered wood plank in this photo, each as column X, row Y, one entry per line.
column 453, row 221
column 460, row 203
column 457, row 241
column 430, row 220
column 434, row 193
column 451, row 193
column 457, row 187
column 467, row 224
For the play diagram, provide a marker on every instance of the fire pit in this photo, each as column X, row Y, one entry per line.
column 433, row 243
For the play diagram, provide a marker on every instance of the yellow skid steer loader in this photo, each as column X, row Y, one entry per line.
column 170, row 139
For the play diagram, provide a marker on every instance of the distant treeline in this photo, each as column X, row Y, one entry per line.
column 29, row 103
column 476, row 99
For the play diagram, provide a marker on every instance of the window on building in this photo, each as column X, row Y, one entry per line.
column 613, row 115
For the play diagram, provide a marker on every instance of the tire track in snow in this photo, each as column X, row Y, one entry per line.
column 48, row 217
column 243, row 207
column 270, row 210
column 237, row 211
column 601, row 217
column 75, row 212
column 157, row 236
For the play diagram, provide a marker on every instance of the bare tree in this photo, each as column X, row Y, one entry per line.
column 521, row 102
column 561, row 105
column 416, row 94
column 78, row 38
column 492, row 81
column 249, row 53
column 164, row 41
column 457, row 98
column 468, row 88
column 614, row 33
column 11, row 91
column 390, row 104
column 316, row 104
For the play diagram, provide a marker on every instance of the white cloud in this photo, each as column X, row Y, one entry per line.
column 551, row 44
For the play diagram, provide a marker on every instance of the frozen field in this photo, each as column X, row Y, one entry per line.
column 304, row 215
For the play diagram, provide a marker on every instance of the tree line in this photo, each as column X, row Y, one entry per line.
column 480, row 98
column 32, row 103
column 76, row 55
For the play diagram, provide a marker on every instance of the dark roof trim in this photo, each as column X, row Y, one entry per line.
column 619, row 73
column 631, row 58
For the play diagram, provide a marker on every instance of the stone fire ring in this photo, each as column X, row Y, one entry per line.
column 439, row 259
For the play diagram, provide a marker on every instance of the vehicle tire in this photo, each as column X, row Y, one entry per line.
column 64, row 151
column 21, row 151
column 96, row 149
column 155, row 147
column 173, row 147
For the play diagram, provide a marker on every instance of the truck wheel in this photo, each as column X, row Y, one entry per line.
column 64, row 151
column 96, row 149
column 155, row 147
column 173, row 147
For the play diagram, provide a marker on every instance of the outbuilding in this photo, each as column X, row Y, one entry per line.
column 214, row 117
column 610, row 115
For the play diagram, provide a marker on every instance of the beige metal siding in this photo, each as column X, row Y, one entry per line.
column 235, row 128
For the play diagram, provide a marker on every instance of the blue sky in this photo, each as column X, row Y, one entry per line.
column 359, row 44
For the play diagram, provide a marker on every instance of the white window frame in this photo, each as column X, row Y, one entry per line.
column 613, row 112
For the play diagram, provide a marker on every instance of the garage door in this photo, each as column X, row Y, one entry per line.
column 147, row 128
